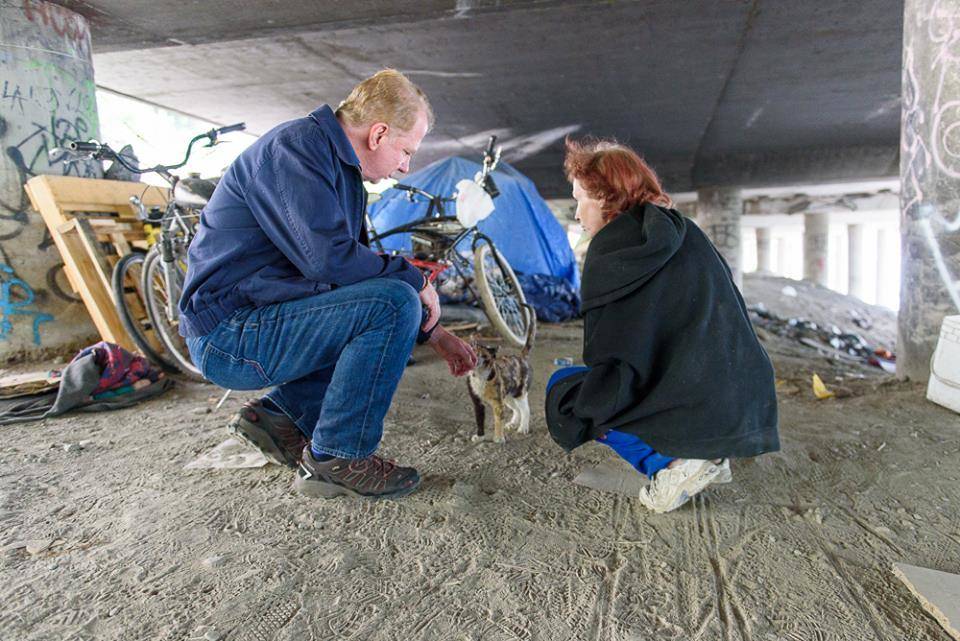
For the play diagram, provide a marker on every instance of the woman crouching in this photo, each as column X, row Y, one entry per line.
column 675, row 381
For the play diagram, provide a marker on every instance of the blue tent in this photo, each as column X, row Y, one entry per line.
column 521, row 225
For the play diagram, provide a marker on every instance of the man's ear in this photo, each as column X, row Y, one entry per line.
column 378, row 132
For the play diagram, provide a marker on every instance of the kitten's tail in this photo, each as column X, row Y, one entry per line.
column 531, row 330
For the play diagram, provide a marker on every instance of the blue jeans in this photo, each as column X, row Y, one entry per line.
column 629, row 446
column 335, row 359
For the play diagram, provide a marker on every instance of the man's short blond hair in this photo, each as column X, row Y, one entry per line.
column 387, row 96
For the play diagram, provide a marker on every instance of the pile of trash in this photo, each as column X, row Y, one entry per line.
column 830, row 340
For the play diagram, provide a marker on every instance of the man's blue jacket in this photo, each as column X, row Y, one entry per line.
column 285, row 222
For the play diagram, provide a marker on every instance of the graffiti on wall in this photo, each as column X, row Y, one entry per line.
column 16, row 297
column 930, row 143
column 47, row 97
column 60, row 23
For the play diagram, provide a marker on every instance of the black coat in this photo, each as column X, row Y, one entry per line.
column 673, row 357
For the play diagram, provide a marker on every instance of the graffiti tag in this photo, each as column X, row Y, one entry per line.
column 15, row 297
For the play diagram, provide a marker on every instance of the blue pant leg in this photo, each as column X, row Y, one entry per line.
column 640, row 455
column 336, row 359
column 306, row 394
column 563, row 373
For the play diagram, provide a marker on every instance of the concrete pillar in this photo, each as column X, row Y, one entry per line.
column 719, row 210
column 764, row 257
column 816, row 243
column 782, row 256
column 47, row 96
column 881, row 265
column 856, row 278
column 930, row 181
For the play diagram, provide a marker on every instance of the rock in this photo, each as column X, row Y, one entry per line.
column 36, row 546
column 71, row 447
column 85, row 443
column 201, row 410
column 212, row 635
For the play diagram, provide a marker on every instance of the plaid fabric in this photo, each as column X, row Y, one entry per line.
column 118, row 366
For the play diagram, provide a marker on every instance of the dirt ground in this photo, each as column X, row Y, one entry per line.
column 116, row 541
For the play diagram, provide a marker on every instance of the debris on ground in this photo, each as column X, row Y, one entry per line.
column 820, row 390
column 830, row 341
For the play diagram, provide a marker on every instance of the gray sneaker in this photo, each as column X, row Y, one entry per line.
column 371, row 477
column 276, row 437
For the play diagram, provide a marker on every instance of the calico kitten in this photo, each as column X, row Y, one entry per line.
column 502, row 382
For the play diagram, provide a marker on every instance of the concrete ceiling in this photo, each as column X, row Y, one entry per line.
column 712, row 92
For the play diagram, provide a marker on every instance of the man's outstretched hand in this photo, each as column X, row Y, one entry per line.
column 431, row 301
column 459, row 355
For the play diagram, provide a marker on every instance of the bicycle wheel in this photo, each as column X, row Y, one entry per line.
column 500, row 293
column 167, row 328
column 126, row 280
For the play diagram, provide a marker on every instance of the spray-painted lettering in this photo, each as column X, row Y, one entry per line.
column 15, row 297
column 63, row 22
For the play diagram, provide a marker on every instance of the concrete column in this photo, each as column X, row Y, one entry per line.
column 816, row 243
column 47, row 96
column 856, row 279
column 930, row 181
column 719, row 210
column 781, row 256
column 881, row 264
column 764, row 257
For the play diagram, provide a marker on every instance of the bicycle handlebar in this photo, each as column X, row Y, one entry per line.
column 490, row 145
column 240, row 126
column 83, row 147
column 103, row 150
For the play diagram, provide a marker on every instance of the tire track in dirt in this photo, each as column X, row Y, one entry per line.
column 726, row 594
column 601, row 621
column 854, row 590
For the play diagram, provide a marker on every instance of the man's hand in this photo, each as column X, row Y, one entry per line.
column 430, row 300
column 459, row 355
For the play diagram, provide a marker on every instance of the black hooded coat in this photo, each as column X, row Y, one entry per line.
column 672, row 355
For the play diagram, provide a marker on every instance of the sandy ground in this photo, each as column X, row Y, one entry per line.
column 117, row 541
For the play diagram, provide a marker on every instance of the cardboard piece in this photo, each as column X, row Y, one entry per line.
column 938, row 593
column 614, row 477
column 31, row 383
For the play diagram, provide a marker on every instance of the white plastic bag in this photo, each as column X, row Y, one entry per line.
column 473, row 203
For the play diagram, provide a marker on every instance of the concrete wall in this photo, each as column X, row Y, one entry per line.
column 47, row 96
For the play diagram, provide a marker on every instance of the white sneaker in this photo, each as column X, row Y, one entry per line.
column 725, row 475
column 673, row 486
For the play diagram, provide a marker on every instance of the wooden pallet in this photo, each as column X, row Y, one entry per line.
column 92, row 224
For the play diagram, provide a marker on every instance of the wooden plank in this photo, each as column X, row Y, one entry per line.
column 119, row 242
column 65, row 203
column 96, row 297
column 93, row 194
column 106, row 229
column 103, row 269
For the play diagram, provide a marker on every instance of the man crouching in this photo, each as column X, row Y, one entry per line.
column 282, row 290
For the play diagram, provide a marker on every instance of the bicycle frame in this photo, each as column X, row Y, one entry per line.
column 436, row 213
column 173, row 225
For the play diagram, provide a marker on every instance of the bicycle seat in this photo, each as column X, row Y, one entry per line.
column 193, row 191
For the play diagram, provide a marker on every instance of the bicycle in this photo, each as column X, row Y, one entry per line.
column 156, row 277
column 436, row 241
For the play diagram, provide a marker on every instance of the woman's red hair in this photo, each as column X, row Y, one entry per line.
column 613, row 174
